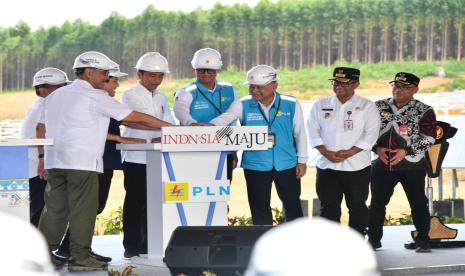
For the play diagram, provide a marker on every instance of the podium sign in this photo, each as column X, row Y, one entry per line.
column 186, row 179
column 214, row 138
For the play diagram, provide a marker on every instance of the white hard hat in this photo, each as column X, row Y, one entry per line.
column 92, row 59
column 312, row 247
column 261, row 75
column 153, row 62
column 207, row 58
column 25, row 255
column 115, row 71
column 50, row 75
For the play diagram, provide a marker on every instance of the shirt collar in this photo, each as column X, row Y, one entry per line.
column 204, row 89
column 143, row 88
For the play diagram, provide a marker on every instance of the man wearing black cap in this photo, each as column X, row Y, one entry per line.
column 408, row 130
column 344, row 128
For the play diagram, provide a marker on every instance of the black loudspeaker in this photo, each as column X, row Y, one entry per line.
column 221, row 250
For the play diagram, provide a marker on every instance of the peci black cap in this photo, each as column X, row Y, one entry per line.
column 406, row 78
column 345, row 74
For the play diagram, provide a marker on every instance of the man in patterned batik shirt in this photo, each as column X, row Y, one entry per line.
column 408, row 130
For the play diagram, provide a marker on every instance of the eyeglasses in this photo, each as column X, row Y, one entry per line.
column 204, row 71
column 337, row 83
column 104, row 72
column 401, row 85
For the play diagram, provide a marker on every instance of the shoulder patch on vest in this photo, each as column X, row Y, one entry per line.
column 245, row 98
column 288, row 98
column 224, row 83
column 190, row 87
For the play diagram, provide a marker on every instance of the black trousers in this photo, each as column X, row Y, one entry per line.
column 104, row 189
column 36, row 198
column 135, row 208
column 382, row 187
column 332, row 186
column 259, row 194
column 229, row 168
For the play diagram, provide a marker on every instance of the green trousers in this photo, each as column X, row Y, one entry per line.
column 71, row 196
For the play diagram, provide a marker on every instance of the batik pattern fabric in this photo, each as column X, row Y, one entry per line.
column 412, row 127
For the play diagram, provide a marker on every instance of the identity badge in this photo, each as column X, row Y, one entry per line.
column 348, row 125
column 272, row 138
column 403, row 130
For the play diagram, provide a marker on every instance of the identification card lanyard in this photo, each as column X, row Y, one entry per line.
column 348, row 124
column 210, row 102
column 271, row 134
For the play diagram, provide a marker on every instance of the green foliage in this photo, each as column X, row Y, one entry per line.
column 111, row 224
column 291, row 35
column 239, row 221
column 405, row 219
column 278, row 218
column 453, row 219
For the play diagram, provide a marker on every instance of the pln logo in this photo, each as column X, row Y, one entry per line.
column 175, row 192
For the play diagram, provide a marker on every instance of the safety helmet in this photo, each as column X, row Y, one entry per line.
column 302, row 247
column 261, row 75
column 92, row 59
column 25, row 256
column 153, row 62
column 50, row 75
column 207, row 58
column 115, row 71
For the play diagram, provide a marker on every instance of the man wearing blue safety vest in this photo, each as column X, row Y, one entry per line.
column 284, row 163
column 206, row 98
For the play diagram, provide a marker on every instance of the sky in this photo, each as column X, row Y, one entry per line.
column 46, row 13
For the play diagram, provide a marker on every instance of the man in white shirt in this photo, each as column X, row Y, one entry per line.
column 284, row 163
column 76, row 117
column 343, row 128
column 45, row 81
column 143, row 97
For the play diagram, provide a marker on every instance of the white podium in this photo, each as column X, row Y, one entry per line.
column 14, row 175
column 186, row 179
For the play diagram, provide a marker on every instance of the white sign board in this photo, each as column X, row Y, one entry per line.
column 214, row 138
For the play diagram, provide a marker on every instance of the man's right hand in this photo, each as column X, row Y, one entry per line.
column 41, row 169
column 131, row 140
column 329, row 154
column 383, row 154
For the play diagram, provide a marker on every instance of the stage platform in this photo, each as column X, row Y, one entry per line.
column 393, row 258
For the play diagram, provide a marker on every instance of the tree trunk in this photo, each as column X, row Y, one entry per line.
column 257, row 47
column 459, row 42
column 286, row 50
column 370, row 45
column 341, row 46
column 271, row 51
column 328, row 50
column 400, row 47
column 415, row 45
column 445, row 38
column 314, row 47
column 355, row 46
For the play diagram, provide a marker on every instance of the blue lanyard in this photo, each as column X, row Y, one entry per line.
column 210, row 102
column 275, row 114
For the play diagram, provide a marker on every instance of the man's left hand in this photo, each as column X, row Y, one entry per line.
column 399, row 155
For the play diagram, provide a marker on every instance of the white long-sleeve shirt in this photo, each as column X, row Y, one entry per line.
column 28, row 131
column 325, row 126
column 138, row 98
column 235, row 113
